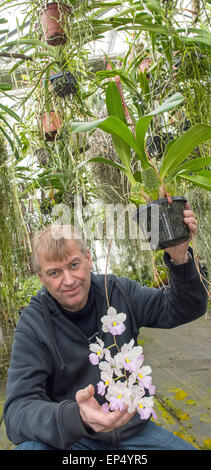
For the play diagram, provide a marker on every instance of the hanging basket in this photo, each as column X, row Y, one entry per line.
column 64, row 84
column 172, row 229
column 51, row 123
column 53, row 18
column 42, row 155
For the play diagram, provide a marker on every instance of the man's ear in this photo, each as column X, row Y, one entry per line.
column 89, row 259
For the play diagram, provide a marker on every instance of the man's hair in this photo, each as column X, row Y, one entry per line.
column 51, row 243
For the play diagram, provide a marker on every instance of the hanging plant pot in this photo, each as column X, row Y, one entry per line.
column 145, row 64
column 64, row 84
column 53, row 19
column 51, row 123
column 43, row 156
column 172, row 229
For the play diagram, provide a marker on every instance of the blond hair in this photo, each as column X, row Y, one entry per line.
column 54, row 243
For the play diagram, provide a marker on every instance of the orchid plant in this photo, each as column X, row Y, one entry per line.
column 125, row 381
column 155, row 180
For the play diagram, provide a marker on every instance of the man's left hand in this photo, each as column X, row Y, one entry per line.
column 178, row 253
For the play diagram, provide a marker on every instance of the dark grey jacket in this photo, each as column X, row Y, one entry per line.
column 49, row 360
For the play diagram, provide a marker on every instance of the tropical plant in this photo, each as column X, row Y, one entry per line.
column 5, row 126
column 153, row 180
column 13, row 241
column 6, row 113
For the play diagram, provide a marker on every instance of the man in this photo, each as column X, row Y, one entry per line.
column 51, row 401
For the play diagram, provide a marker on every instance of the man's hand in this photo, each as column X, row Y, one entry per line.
column 178, row 253
column 94, row 417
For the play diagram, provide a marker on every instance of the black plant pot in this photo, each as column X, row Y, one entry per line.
column 64, row 84
column 172, row 229
column 43, row 156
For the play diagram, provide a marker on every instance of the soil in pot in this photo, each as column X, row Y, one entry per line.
column 165, row 226
column 53, row 19
column 64, row 84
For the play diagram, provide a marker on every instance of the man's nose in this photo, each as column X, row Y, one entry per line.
column 68, row 277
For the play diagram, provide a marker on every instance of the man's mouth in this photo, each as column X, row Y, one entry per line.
column 71, row 291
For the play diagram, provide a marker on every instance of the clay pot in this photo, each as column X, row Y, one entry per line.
column 145, row 65
column 53, row 18
column 51, row 123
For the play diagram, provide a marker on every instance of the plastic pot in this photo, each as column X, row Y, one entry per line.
column 51, row 123
column 64, row 83
column 53, row 19
column 43, row 156
column 166, row 222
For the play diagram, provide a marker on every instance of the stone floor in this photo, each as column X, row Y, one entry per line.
column 181, row 369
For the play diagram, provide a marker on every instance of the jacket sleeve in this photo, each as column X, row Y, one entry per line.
column 29, row 413
column 183, row 301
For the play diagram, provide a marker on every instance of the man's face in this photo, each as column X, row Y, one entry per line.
column 68, row 281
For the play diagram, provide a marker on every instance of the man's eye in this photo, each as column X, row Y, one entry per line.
column 75, row 265
column 53, row 273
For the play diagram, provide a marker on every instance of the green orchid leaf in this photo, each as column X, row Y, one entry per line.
column 115, row 109
column 183, row 146
column 10, row 112
column 145, row 26
column 5, row 87
column 141, row 129
column 144, row 84
column 114, row 102
column 80, row 126
column 4, row 31
column 172, row 102
column 143, row 123
column 101, row 160
column 153, row 5
column 202, row 180
column 121, row 135
column 110, row 163
column 18, row 42
column 200, row 37
column 116, row 127
column 11, row 129
column 112, row 125
column 192, row 165
column 11, row 143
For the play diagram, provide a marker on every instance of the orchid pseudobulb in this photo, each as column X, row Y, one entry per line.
column 125, row 381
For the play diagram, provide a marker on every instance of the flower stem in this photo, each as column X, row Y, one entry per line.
column 119, row 377
column 106, row 269
column 111, row 346
column 116, row 343
column 124, row 373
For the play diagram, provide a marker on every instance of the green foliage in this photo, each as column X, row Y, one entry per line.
column 9, row 133
column 176, row 153
column 177, row 77
column 12, row 245
column 27, row 287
